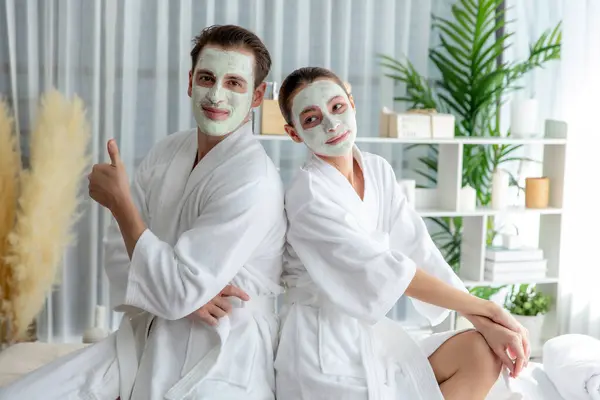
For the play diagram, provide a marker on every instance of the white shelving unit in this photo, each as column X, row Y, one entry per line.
column 444, row 201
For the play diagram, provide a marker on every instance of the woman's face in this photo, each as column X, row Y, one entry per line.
column 324, row 118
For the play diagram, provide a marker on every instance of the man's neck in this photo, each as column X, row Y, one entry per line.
column 206, row 143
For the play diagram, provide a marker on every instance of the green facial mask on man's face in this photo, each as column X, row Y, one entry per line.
column 218, row 109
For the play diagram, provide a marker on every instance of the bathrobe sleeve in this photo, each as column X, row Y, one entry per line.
column 355, row 270
column 116, row 258
column 173, row 281
column 409, row 235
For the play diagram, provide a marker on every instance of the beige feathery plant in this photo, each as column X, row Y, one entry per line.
column 48, row 199
column 10, row 168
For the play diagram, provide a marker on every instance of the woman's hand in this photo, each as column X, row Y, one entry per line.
column 500, row 316
column 511, row 346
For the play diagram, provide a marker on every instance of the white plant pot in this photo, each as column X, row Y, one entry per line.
column 534, row 325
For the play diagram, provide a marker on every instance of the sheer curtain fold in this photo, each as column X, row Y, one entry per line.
column 129, row 62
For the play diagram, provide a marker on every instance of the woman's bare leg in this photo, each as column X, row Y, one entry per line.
column 465, row 367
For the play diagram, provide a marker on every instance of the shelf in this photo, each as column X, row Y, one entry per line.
column 469, row 283
column 465, row 140
column 483, row 211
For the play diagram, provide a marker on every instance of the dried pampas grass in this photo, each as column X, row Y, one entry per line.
column 47, row 205
column 10, row 168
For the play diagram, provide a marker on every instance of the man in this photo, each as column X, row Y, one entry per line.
column 205, row 210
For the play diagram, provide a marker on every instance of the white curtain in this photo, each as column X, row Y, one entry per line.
column 128, row 60
column 578, row 96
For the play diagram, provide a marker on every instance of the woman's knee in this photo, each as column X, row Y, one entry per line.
column 482, row 356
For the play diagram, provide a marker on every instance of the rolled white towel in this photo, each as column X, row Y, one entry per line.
column 573, row 364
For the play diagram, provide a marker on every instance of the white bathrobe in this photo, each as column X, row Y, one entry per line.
column 221, row 223
column 347, row 263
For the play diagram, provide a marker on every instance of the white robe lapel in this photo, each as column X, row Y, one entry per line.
column 229, row 147
column 343, row 193
column 166, row 216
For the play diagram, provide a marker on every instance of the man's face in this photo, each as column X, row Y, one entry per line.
column 222, row 89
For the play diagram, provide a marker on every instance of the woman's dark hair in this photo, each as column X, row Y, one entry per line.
column 298, row 78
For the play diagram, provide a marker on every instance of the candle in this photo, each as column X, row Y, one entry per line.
column 510, row 241
column 523, row 118
column 409, row 189
column 468, row 199
column 537, row 192
column 500, row 185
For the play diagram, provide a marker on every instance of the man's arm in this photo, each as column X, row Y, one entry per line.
column 174, row 281
column 109, row 187
column 131, row 224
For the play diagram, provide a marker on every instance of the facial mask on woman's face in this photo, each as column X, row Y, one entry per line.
column 218, row 110
column 336, row 133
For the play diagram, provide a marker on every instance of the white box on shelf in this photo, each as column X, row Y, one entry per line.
column 416, row 124
column 409, row 125
column 442, row 126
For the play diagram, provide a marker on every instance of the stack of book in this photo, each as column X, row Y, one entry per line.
column 521, row 264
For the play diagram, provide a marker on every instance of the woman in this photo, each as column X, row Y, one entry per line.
column 354, row 248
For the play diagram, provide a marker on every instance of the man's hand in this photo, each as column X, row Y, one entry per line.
column 511, row 346
column 108, row 183
column 219, row 306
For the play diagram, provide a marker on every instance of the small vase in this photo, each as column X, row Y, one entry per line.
column 500, row 184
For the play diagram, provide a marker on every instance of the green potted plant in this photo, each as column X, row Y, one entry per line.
column 529, row 306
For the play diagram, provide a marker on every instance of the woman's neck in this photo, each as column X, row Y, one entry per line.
column 344, row 164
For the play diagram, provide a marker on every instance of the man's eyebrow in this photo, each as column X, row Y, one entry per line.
column 236, row 77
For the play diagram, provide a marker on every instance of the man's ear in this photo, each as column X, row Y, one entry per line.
column 190, row 83
column 291, row 131
column 259, row 95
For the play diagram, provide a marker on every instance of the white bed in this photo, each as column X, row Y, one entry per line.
column 22, row 358
column 532, row 384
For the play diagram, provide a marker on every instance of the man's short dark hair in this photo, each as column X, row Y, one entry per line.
column 233, row 36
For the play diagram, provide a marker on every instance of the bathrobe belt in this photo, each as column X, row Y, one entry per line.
column 128, row 360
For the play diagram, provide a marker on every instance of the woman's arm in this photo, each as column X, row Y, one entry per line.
column 430, row 289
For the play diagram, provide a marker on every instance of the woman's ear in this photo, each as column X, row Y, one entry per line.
column 291, row 131
column 351, row 101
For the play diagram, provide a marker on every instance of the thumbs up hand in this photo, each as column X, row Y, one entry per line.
column 108, row 183
column 113, row 153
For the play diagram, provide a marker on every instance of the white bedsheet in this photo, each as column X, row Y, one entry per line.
column 532, row 384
